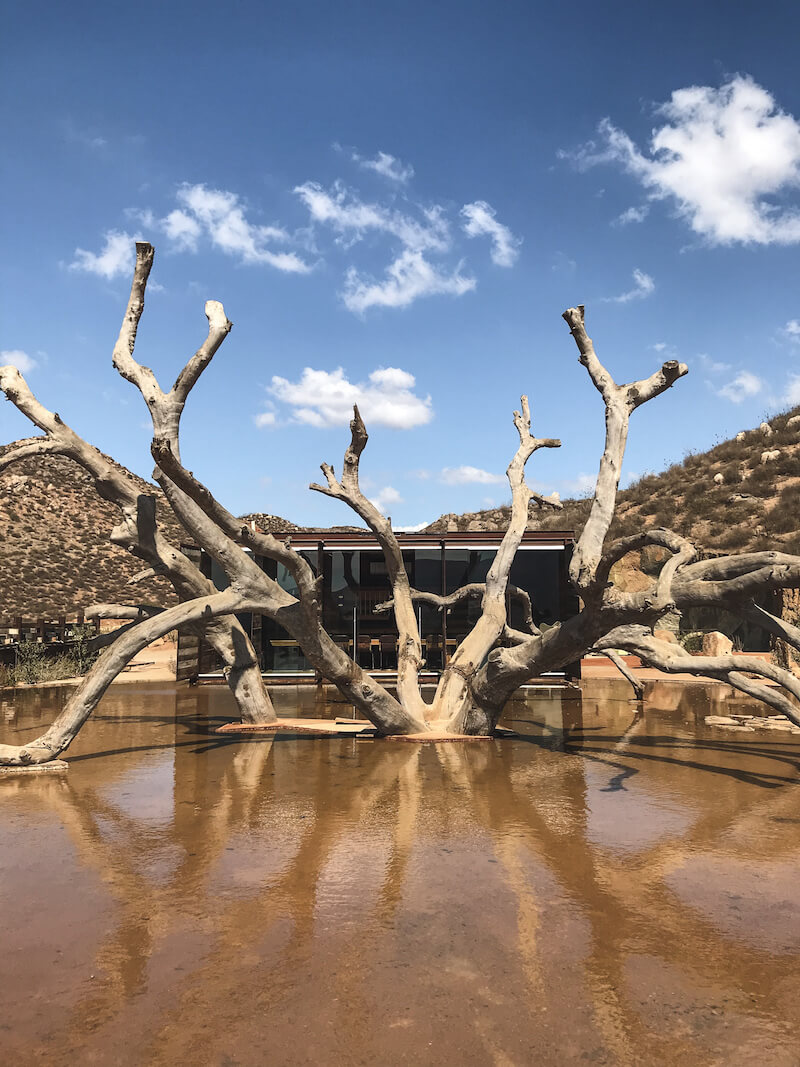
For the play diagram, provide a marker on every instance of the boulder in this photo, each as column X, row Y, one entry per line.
column 716, row 644
column 719, row 479
column 766, row 429
column 741, row 435
column 665, row 635
column 793, row 421
column 770, row 455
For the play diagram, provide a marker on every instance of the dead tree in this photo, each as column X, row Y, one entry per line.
column 493, row 659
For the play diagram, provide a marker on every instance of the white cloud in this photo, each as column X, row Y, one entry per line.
column 346, row 213
column 15, row 357
column 644, row 287
column 480, row 220
column 386, row 498
column 744, row 385
column 792, row 396
column 183, row 230
column 220, row 214
column 467, row 475
column 264, row 419
column 791, row 331
column 632, row 214
column 326, row 398
column 409, row 277
column 411, row 529
column 583, row 485
column 387, row 166
column 712, row 366
column 116, row 257
column 724, row 157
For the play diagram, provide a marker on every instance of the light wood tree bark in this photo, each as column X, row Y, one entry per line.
column 493, row 659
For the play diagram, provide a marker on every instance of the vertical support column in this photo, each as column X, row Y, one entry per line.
column 444, row 610
column 318, row 679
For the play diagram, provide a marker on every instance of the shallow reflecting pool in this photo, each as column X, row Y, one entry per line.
column 606, row 887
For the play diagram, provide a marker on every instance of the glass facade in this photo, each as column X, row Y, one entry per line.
column 356, row 581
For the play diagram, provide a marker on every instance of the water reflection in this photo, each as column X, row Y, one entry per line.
column 608, row 886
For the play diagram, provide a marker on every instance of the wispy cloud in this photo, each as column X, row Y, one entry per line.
column 220, row 215
column 386, row 498
column 742, row 387
column 712, row 366
column 467, row 475
column 644, row 287
column 409, row 277
column 114, row 259
column 791, row 331
column 632, row 214
column 15, row 357
column 791, row 397
column 480, row 219
column 326, row 398
column 721, row 157
column 349, row 215
column 387, row 166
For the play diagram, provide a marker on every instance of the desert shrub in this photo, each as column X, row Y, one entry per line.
column 33, row 664
column 735, row 537
column 651, row 506
column 761, row 480
column 787, row 464
column 780, row 520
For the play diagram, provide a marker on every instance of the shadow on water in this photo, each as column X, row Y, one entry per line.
column 609, row 885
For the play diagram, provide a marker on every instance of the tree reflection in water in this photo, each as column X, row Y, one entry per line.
column 609, row 885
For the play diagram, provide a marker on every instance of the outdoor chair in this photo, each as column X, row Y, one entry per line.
column 366, row 654
column 388, row 651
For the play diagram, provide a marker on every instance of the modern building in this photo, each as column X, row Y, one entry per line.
column 355, row 581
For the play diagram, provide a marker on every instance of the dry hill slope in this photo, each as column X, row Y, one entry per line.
column 726, row 499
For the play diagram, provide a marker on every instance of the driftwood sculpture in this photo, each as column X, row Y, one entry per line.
column 492, row 660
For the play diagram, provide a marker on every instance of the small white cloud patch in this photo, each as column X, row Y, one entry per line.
column 326, row 398
column 387, row 166
column 644, row 287
column 740, row 388
column 409, row 277
column 116, row 257
column 386, row 498
column 219, row 214
column 480, row 219
column 15, row 357
column 466, row 475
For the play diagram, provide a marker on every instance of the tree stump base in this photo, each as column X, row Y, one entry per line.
column 360, row 728
column 55, row 766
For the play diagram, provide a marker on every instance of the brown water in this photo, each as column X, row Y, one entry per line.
column 603, row 889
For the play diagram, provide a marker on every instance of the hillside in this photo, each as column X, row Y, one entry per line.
column 55, row 553
column 56, row 557
column 725, row 499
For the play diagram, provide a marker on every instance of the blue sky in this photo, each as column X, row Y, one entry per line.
column 395, row 203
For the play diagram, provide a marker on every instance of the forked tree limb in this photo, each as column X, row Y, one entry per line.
column 620, row 402
column 348, row 490
column 137, row 533
column 454, row 691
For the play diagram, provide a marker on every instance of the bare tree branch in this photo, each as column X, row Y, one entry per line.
column 730, row 668
column 409, row 656
column 620, row 401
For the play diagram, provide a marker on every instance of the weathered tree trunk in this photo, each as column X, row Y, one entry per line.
column 491, row 661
